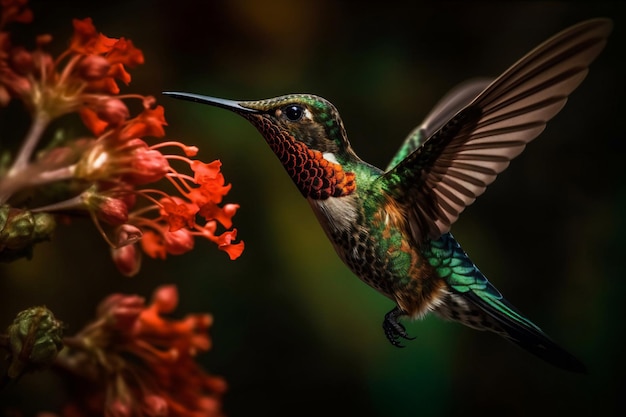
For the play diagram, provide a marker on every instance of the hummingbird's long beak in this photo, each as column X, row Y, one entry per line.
column 212, row 101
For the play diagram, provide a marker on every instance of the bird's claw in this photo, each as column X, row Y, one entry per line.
column 394, row 330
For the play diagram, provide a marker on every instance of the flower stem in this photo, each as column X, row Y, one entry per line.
column 40, row 122
column 32, row 176
column 76, row 202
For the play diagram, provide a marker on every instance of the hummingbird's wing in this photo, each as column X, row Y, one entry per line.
column 457, row 98
column 456, row 164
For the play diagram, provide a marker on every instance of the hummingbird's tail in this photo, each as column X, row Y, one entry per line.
column 475, row 302
column 501, row 317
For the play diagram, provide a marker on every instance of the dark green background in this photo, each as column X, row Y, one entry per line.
column 296, row 334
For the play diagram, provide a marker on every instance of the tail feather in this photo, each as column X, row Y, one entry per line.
column 521, row 331
column 475, row 302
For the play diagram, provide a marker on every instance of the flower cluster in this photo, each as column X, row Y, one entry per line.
column 109, row 172
column 131, row 361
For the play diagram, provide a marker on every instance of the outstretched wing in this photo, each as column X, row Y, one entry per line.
column 457, row 98
column 456, row 164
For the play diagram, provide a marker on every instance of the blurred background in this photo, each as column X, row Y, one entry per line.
column 295, row 333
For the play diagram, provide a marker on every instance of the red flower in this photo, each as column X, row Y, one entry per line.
column 153, row 244
column 223, row 215
column 211, row 181
column 148, row 123
column 205, row 173
column 92, row 121
column 178, row 214
column 223, row 241
column 112, row 160
column 87, row 40
column 111, row 172
column 142, row 362
column 124, row 52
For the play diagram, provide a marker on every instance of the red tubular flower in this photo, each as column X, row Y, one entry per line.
column 178, row 213
column 86, row 39
column 92, row 121
column 205, row 173
column 111, row 172
column 149, row 123
column 83, row 75
column 153, row 244
column 223, row 241
column 143, row 362
column 223, row 215
column 211, row 181
column 124, row 52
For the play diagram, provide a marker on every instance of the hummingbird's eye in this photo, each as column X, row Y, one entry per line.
column 293, row 112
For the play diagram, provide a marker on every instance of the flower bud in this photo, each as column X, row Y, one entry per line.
column 148, row 102
column 16, row 227
column 35, row 339
column 21, row 230
column 149, row 165
column 165, row 298
column 17, row 85
column 178, row 242
column 118, row 408
column 44, row 226
column 127, row 259
column 113, row 111
column 93, row 67
column 43, row 40
column 127, row 234
column 155, row 406
column 121, row 311
column 190, row 150
column 112, row 210
column 22, row 61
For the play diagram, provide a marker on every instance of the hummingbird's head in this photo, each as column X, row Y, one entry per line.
column 305, row 132
column 306, row 118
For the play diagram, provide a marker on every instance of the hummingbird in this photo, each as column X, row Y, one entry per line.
column 392, row 227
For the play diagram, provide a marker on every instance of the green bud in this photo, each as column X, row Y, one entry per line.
column 35, row 339
column 20, row 230
column 44, row 226
column 4, row 216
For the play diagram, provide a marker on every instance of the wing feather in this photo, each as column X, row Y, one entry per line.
column 456, row 163
column 448, row 106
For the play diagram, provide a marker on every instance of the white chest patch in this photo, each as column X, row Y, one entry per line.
column 337, row 213
column 330, row 157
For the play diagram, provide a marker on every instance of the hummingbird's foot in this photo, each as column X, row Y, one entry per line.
column 394, row 330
